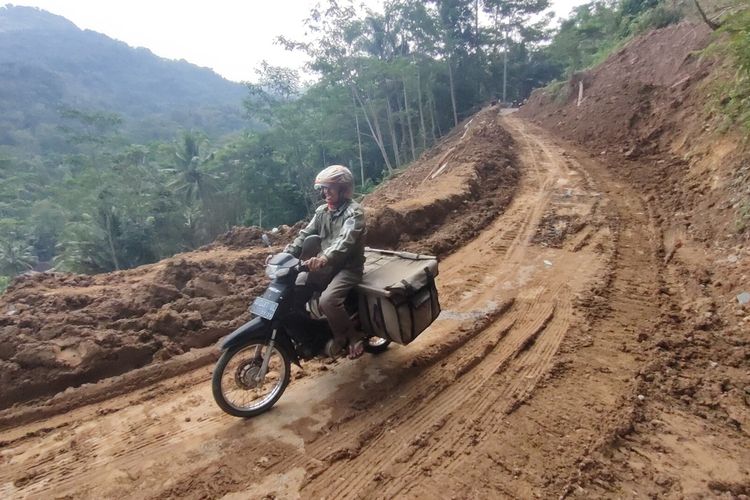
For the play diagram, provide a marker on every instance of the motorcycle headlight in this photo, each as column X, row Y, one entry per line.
column 271, row 271
column 280, row 273
column 274, row 272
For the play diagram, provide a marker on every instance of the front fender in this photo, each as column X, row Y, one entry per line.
column 255, row 328
column 259, row 328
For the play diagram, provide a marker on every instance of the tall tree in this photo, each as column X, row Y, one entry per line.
column 512, row 23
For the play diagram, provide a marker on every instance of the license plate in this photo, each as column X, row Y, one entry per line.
column 264, row 308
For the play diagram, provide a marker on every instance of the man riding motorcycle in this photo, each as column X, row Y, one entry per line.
column 341, row 225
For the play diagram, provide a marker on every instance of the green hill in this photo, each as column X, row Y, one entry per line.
column 48, row 66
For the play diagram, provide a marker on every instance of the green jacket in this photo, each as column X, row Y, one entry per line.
column 342, row 233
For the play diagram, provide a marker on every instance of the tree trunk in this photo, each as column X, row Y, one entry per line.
column 453, row 93
column 435, row 123
column 404, row 133
column 711, row 24
column 111, row 241
column 423, row 130
column 359, row 144
column 392, row 129
column 408, row 122
column 505, row 67
column 476, row 27
column 374, row 126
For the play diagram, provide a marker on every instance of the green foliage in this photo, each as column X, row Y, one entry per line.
column 51, row 68
column 598, row 28
column 390, row 84
column 734, row 42
column 558, row 90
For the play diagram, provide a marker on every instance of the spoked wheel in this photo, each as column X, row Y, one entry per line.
column 376, row 345
column 239, row 384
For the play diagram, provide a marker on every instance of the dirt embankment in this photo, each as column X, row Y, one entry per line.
column 450, row 194
column 650, row 108
column 647, row 112
column 62, row 330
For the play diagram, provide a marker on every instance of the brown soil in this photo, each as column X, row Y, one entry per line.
column 450, row 195
column 591, row 344
column 646, row 113
column 61, row 330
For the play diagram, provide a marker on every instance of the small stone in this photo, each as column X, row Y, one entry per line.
column 663, row 480
column 743, row 298
column 713, row 364
column 641, row 397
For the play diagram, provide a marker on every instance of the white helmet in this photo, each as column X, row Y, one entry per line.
column 336, row 175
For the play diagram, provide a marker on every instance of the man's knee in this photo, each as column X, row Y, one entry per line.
column 329, row 301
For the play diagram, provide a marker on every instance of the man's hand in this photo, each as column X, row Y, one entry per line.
column 316, row 263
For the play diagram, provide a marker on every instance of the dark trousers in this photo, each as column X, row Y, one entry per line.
column 332, row 299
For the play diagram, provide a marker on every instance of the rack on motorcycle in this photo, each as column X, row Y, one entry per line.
column 395, row 302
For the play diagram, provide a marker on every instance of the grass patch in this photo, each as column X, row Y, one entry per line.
column 558, row 91
column 731, row 97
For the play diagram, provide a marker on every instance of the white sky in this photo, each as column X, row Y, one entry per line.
column 231, row 37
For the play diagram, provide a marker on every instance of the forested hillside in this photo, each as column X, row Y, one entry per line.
column 49, row 67
column 388, row 84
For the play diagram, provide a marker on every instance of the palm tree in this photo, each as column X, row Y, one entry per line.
column 193, row 182
column 16, row 255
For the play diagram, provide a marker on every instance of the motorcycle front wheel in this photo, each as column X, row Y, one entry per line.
column 238, row 384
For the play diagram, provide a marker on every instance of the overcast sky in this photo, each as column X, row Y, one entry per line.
column 229, row 36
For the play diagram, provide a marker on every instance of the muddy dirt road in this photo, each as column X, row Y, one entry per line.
column 530, row 369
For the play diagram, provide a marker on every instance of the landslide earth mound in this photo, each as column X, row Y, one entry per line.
column 447, row 197
column 649, row 109
column 62, row 330
column 647, row 112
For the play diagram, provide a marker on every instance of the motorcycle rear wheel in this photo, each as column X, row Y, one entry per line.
column 234, row 386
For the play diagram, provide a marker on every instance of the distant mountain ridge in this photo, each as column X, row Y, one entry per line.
column 47, row 64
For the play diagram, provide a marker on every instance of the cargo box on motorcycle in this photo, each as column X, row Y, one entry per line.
column 398, row 299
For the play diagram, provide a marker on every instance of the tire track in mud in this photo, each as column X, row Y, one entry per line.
column 625, row 305
column 431, row 414
column 508, row 387
column 504, row 374
column 511, row 382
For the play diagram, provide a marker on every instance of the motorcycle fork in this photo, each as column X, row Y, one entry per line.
column 266, row 358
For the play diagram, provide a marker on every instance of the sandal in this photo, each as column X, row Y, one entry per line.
column 356, row 349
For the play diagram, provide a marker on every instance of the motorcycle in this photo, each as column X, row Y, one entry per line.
column 254, row 368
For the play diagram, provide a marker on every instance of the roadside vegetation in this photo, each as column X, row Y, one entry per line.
column 597, row 29
column 733, row 40
column 388, row 85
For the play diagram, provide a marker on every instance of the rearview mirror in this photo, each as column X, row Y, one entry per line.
column 310, row 247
